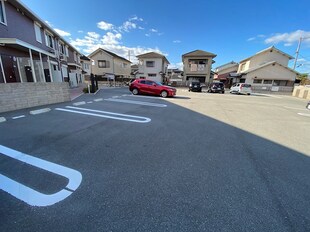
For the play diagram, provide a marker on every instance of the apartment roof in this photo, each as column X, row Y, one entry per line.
column 272, row 48
column 26, row 11
column 110, row 53
column 227, row 65
column 153, row 55
column 199, row 53
column 84, row 58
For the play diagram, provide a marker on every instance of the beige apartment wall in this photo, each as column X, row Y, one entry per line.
column 302, row 92
column 271, row 72
column 265, row 57
column 119, row 69
column 228, row 70
column 101, row 56
column 246, row 67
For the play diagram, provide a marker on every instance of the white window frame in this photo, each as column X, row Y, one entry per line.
column 3, row 13
column 75, row 56
column 61, row 45
column 47, row 34
column 148, row 62
column 37, row 31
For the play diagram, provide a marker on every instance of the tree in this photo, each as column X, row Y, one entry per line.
column 304, row 79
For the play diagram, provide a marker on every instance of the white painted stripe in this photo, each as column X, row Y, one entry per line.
column 302, row 114
column 40, row 111
column 293, row 108
column 2, row 119
column 98, row 99
column 17, row 117
column 89, row 102
column 79, row 103
column 123, row 117
column 31, row 196
column 136, row 102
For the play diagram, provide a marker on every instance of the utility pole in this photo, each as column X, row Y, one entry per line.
column 297, row 52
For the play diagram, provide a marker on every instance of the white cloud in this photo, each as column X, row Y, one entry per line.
column 127, row 26
column 80, row 31
column 251, row 39
column 176, row 41
column 153, row 30
column 61, row 32
column 147, row 34
column 49, row 23
column 141, row 28
column 111, row 38
column 93, row 35
column 105, row 26
column 289, row 38
column 176, row 65
column 136, row 18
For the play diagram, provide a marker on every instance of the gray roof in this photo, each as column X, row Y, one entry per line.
column 153, row 55
column 199, row 53
column 110, row 53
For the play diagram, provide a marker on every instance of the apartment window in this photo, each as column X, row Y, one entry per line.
column 49, row 40
column 151, row 75
column 267, row 82
column 67, row 51
column 62, row 49
column 276, row 83
column 2, row 13
column 37, row 30
column 150, row 64
column 124, row 65
column 75, row 56
column 257, row 81
column 103, row 64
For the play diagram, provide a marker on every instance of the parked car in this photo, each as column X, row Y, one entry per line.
column 195, row 86
column 143, row 86
column 216, row 87
column 241, row 88
column 308, row 105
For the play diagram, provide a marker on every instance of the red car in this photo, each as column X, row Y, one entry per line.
column 143, row 86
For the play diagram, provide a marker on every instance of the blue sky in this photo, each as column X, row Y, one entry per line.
column 234, row 30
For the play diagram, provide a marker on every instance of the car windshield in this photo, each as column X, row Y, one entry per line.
column 158, row 83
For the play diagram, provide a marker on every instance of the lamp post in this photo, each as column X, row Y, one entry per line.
column 297, row 51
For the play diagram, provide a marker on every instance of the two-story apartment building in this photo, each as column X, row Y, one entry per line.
column 267, row 70
column 197, row 66
column 32, row 52
column 109, row 65
column 153, row 66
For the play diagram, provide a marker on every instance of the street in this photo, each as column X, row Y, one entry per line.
column 196, row 162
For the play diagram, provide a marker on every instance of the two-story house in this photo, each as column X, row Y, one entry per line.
column 86, row 67
column 109, row 65
column 32, row 52
column 223, row 73
column 197, row 66
column 267, row 70
column 153, row 66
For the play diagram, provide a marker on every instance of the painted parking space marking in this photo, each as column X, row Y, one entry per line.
column 136, row 102
column 2, row 119
column 98, row 99
column 79, row 103
column 89, row 102
column 17, row 117
column 40, row 111
column 302, row 114
column 31, row 196
column 105, row 114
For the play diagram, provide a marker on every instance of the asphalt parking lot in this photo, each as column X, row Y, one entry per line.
column 196, row 162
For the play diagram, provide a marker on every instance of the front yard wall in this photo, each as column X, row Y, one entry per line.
column 302, row 92
column 14, row 96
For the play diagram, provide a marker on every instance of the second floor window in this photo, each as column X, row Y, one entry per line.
column 2, row 12
column 62, row 48
column 37, row 30
column 49, row 40
column 103, row 64
column 150, row 64
column 242, row 68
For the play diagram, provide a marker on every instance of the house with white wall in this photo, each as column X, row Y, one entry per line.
column 267, row 70
column 153, row 66
column 222, row 73
column 109, row 65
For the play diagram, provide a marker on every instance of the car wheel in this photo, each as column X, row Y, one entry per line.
column 248, row 94
column 135, row 91
column 164, row 94
column 223, row 92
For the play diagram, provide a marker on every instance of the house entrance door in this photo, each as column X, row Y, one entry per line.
column 10, row 68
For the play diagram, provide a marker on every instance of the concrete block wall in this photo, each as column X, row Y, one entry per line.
column 14, row 96
column 302, row 92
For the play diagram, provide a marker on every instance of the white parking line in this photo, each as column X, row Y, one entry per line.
column 98, row 99
column 40, row 111
column 302, row 114
column 79, row 103
column 17, row 117
column 136, row 102
column 106, row 114
column 2, row 119
column 31, row 196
